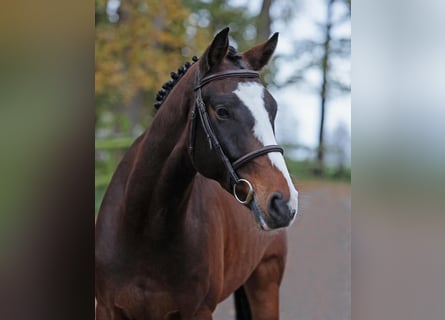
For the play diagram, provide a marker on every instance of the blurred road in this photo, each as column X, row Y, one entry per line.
column 317, row 282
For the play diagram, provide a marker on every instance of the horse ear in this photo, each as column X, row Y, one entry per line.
column 217, row 50
column 259, row 56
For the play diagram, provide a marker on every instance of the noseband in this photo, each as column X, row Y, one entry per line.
column 212, row 139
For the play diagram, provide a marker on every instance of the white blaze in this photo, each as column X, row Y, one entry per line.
column 252, row 95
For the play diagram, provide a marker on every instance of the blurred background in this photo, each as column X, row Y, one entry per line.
column 139, row 42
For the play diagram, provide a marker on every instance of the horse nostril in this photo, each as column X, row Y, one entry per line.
column 276, row 204
column 274, row 197
column 279, row 212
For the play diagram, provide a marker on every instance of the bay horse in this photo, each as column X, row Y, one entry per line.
column 198, row 207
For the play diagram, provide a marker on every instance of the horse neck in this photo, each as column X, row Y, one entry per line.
column 159, row 183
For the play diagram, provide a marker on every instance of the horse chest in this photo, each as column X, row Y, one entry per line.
column 164, row 288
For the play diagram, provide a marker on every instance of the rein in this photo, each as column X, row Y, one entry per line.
column 201, row 109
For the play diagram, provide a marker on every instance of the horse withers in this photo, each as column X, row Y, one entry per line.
column 197, row 208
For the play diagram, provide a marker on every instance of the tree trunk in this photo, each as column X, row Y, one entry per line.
column 264, row 22
column 323, row 90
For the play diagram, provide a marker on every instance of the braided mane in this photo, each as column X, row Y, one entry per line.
column 167, row 86
column 232, row 55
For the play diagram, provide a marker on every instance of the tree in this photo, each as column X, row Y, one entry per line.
column 137, row 45
column 139, row 42
column 246, row 28
column 211, row 16
column 320, row 55
column 324, row 83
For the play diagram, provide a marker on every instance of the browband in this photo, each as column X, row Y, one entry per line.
column 227, row 74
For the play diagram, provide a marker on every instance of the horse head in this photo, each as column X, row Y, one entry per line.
column 234, row 141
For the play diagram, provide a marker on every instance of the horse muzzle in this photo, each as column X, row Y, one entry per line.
column 279, row 214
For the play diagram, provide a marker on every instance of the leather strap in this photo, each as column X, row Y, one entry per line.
column 227, row 74
column 254, row 154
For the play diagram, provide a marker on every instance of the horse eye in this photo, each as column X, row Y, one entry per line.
column 222, row 113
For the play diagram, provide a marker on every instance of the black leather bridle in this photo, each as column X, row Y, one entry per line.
column 201, row 109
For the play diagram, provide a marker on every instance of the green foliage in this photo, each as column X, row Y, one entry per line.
column 108, row 154
column 217, row 14
column 116, row 143
column 306, row 170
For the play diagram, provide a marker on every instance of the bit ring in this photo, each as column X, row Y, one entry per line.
column 250, row 193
